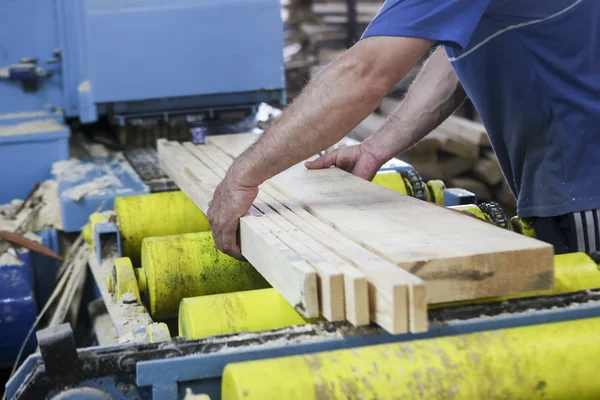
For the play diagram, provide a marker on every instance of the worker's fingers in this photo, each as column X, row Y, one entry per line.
column 229, row 244
column 230, row 202
column 324, row 161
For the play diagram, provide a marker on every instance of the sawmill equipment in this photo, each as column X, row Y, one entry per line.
column 199, row 365
column 215, row 333
column 485, row 365
column 126, row 74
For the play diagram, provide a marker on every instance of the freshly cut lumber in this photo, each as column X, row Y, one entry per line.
column 292, row 277
column 459, row 257
column 329, row 279
column 356, row 286
column 392, row 291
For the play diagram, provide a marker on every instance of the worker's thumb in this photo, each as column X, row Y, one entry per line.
column 324, row 161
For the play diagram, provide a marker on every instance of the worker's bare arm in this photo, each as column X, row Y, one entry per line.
column 434, row 96
column 333, row 103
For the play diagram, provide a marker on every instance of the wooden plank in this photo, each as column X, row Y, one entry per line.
column 329, row 280
column 389, row 292
column 459, row 257
column 466, row 130
column 488, row 171
column 389, row 288
column 293, row 278
column 355, row 283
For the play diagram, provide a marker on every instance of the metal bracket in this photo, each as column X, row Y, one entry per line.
column 458, row 197
column 59, row 354
column 107, row 239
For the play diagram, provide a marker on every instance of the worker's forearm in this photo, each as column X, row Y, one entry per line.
column 434, row 95
column 333, row 104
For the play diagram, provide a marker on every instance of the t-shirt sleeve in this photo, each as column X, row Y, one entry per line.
column 448, row 22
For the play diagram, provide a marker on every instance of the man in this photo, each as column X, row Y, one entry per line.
column 530, row 67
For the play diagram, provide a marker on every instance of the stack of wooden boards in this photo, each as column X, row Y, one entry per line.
column 341, row 247
column 457, row 152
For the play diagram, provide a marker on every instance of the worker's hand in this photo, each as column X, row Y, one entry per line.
column 354, row 159
column 230, row 202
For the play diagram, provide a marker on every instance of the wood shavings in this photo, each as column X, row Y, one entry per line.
column 27, row 128
column 92, row 188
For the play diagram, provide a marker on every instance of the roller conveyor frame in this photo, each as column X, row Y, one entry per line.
column 167, row 370
column 164, row 370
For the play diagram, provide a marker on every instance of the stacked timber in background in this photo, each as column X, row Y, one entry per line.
column 340, row 247
column 457, row 152
column 316, row 34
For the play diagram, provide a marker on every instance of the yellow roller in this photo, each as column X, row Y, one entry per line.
column 391, row 180
column 221, row 314
column 552, row 361
column 158, row 214
column 436, row 191
column 572, row 272
column 189, row 265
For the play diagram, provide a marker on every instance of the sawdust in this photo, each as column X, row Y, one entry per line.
column 94, row 187
column 71, row 170
column 96, row 149
column 106, row 181
column 302, row 334
column 33, row 127
column 9, row 258
column 528, row 312
column 29, row 114
column 8, row 211
column 48, row 217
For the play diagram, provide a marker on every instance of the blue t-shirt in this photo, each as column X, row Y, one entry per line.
column 532, row 70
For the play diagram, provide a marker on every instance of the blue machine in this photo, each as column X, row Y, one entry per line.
column 89, row 59
column 23, row 287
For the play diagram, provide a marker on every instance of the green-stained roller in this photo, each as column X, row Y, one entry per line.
column 158, row 214
column 189, row 265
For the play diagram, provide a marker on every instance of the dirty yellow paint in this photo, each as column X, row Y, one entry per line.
column 436, row 191
column 551, row 361
column 158, row 332
column 391, row 180
column 158, row 214
column 190, row 265
column 125, row 280
column 572, row 272
column 472, row 209
column 249, row 311
column 522, row 226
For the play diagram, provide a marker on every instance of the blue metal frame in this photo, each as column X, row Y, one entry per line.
column 104, row 229
column 212, row 54
column 75, row 213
